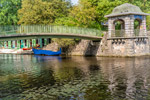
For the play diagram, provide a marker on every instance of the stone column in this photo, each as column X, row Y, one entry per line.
column 110, row 27
column 143, row 31
column 129, row 26
column 130, row 49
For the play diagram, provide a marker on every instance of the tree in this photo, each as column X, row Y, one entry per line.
column 64, row 42
column 42, row 11
column 8, row 11
column 83, row 14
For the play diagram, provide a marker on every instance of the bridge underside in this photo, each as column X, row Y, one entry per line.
column 46, row 35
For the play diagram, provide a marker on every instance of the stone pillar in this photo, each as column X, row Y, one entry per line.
column 129, row 47
column 110, row 27
column 129, row 26
column 143, row 31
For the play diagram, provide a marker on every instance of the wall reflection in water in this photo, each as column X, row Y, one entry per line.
column 83, row 78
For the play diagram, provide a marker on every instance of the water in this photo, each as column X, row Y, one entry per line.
column 27, row 77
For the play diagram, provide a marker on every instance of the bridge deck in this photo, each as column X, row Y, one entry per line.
column 47, row 31
column 46, row 35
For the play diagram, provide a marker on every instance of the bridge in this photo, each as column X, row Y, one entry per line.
column 23, row 34
column 28, row 31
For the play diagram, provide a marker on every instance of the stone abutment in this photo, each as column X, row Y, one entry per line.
column 134, row 46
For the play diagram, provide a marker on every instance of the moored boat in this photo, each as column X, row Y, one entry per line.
column 31, row 47
column 46, row 52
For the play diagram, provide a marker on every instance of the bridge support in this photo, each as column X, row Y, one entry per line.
column 9, row 44
column 28, row 43
column 45, row 42
column 41, row 44
column 13, row 44
column 5, row 44
column 18, row 44
column 33, row 42
column 22, row 43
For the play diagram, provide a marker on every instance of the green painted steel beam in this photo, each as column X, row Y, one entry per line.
column 41, row 45
column 45, row 42
column 18, row 44
column 5, row 44
column 22, row 44
column 13, row 44
column 9, row 45
column 28, row 43
column 33, row 42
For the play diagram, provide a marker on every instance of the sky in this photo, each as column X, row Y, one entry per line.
column 74, row 1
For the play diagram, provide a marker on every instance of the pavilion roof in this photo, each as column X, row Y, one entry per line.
column 126, row 9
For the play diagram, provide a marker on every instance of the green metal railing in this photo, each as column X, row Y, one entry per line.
column 8, row 30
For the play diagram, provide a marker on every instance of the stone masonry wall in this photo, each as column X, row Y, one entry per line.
column 85, row 48
column 126, row 47
column 109, row 47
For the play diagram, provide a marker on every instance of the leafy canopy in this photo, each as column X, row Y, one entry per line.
column 8, row 11
column 42, row 11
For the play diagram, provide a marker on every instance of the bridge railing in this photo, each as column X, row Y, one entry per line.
column 118, row 33
column 24, row 29
column 121, row 33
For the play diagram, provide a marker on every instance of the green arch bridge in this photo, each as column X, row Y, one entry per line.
column 22, row 35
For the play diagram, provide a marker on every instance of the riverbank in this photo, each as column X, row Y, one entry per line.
column 15, row 51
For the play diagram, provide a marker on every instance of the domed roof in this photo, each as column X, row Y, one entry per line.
column 126, row 9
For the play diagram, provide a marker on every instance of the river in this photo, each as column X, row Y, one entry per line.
column 30, row 77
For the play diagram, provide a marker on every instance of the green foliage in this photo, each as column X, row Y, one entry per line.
column 102, row 34
column 42, row 11
column 8, row 11
column 83, row 14
column 88, row 13
column 64, row 42
column 105, row 7
column 66, row 21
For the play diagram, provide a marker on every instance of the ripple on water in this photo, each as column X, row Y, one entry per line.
column 27, row 77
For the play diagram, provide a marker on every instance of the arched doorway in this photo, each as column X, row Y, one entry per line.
column 119, row 28
column 137, row 27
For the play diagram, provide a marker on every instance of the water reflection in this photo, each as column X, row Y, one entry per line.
column 26, row 77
